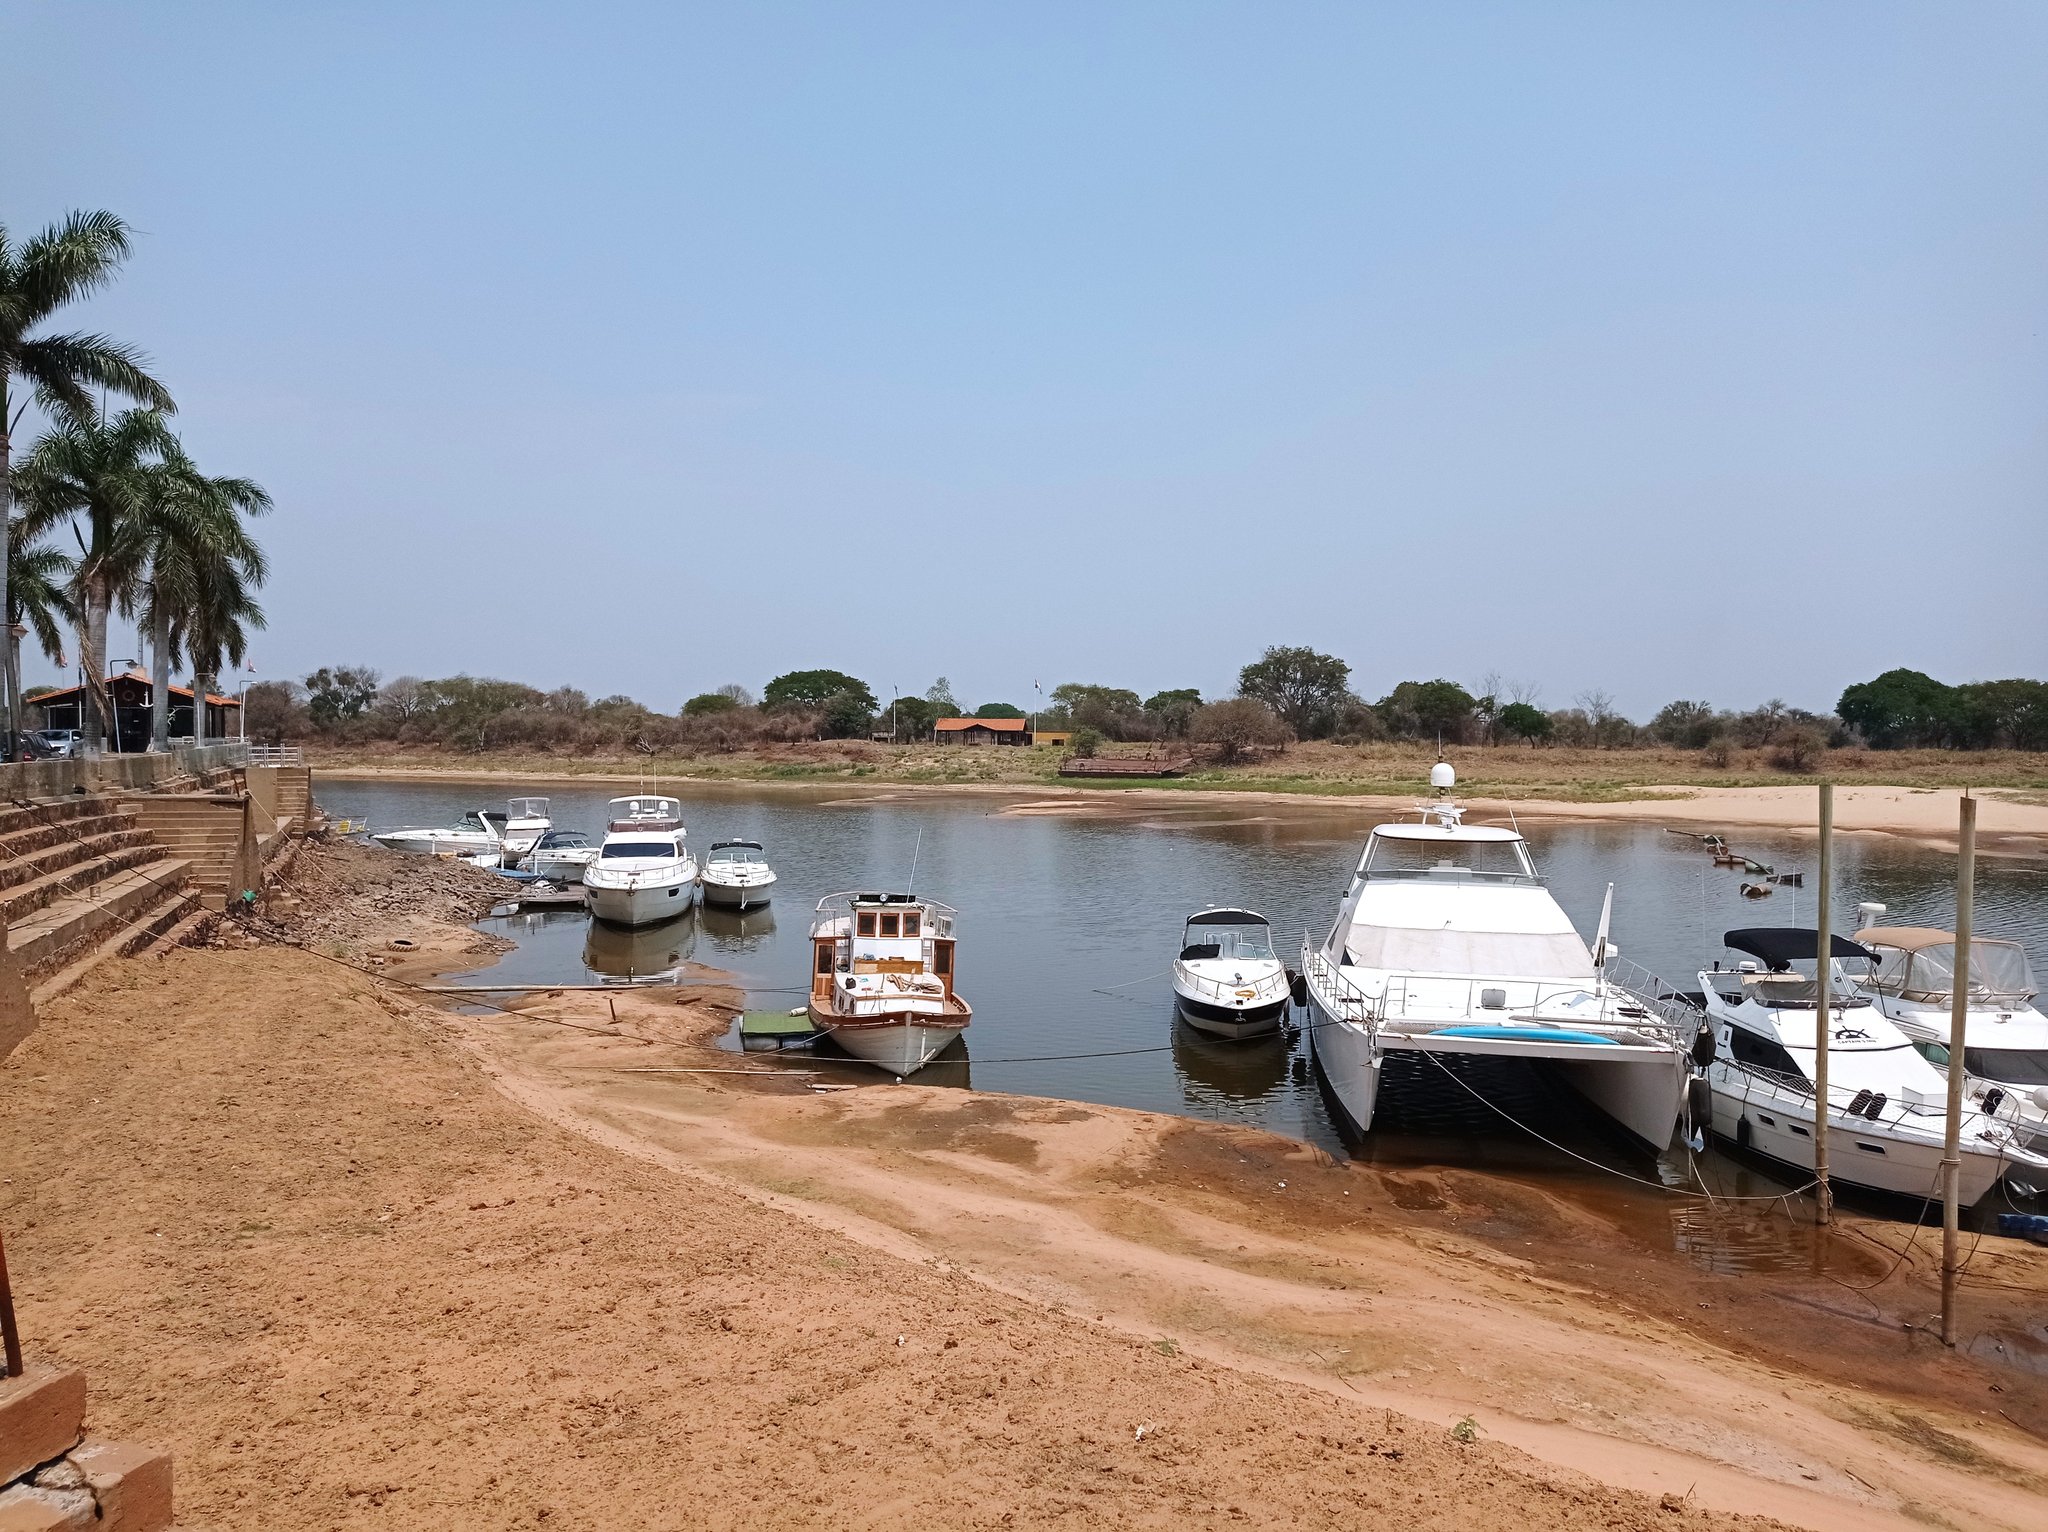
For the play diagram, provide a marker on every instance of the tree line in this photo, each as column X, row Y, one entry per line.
column 106, row 511
column 1285, row 695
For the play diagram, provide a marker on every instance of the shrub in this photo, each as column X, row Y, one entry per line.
column 1086, row 742
column 1237, row 727
column 709, row 702
column 1797, row 749
column 1718, row 752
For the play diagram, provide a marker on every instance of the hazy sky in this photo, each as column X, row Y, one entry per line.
column 1670, row 350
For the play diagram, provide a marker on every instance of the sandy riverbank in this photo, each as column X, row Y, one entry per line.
column 2008, row 823
column 363, row 1263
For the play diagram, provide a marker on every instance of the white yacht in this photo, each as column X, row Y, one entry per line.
column 480, row 832
column 737, row 875
column 1448, row 943
column 1227, row 981
column 2005, row 1037
column 644, row 872
column 1887, row 1106
column 526, row 821
column 560, row 856
column 882, row 978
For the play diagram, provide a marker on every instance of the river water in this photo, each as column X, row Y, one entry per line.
column 1068, row 922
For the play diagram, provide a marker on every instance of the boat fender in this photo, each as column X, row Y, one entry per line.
column 1699, row 1103
column 1875, row 1109
column 1703, row 1048
column 1993, row 1100
column 1742, row 1132
column 1297, row 986
column 2041, row 1097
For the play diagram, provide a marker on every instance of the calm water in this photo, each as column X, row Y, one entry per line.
column 1067, row 925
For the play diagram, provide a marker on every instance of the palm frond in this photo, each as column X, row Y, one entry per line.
column 68, row 261
column 64, row 367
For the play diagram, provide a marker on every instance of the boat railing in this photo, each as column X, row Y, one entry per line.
column 1275, row 983
column 1679, row 1015
column 1346, row 1000
column 276, row 755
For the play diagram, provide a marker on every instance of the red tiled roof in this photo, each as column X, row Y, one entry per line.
column 999, row 725
column 70, row 693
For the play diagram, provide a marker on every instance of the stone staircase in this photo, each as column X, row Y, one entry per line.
column 203, row 829
column 82, row 879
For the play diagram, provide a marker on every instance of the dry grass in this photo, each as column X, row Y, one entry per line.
column 1506, row 771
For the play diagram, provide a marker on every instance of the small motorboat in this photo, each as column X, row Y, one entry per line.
column 560, row 856
column 736, row 875
column 644, row 872
column 1887, row 1105
column 479, row 832
column 882, row 978
column 1227, row 981
column 526, row 821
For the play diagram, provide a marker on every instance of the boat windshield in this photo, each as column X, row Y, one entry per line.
column 564, row 840
column 618, row 850
column 1492, row 860
column 1236, row 943
column 2026, row 1067
column 1998, row 971
column 736, row 854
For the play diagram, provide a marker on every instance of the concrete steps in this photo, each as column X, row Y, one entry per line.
column 118, row 912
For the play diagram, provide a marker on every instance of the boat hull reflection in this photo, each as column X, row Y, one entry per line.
column 733, row 930
column 639, row 953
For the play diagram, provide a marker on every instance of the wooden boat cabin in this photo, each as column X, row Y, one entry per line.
column 881, row 934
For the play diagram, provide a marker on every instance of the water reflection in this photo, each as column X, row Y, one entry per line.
column 645, row 952
column 1219, row 1071
column 737, row 931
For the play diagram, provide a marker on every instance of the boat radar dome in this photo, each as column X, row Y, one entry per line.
column 1442, row 778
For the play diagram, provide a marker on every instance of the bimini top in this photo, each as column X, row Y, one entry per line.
column 1228, row 918
column 1906, row 938
column 1781, row 946
column 736, row 845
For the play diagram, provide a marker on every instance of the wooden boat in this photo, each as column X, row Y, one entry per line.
column 882, row 978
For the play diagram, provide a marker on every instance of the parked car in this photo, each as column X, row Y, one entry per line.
column 35, row 748
column 62, row 743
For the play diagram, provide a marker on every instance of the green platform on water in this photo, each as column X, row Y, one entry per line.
column 775, row 1029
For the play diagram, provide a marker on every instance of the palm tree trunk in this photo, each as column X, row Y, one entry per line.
column 160, row 676
column 200, row 687
column 95, row 720
column 10, row 649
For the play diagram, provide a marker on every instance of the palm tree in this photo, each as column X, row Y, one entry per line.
column 62, row 264
column 102, row 475
column 38, row 597
column 197, row 565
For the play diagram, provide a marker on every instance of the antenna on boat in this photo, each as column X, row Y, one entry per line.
column 912, row 884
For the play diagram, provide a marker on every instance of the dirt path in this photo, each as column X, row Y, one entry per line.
column 364, row 1264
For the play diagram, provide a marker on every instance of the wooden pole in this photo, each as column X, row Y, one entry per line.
column 1823, row 1021
column 1958, row 1037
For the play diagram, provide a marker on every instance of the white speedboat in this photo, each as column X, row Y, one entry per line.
column 736, row 875
column 1227, row 981
column 882, row 978
column 1887, row 1106
column 2005, row 1037
column 644, row 872
column 1447, row 943
column 479, row 832
column 560, row 856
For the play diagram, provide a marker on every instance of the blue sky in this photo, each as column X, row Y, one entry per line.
column 1670, row 351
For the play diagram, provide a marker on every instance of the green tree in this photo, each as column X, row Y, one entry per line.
column 1172, row 710
column 1110, row 710
column 998, row 710
column 2012, row 713
column 914, row 717
column 940, row 696
column 848, row 717
column 1429, row 710
column 336, row 692
column 815, row 689
column 1300, row 685
column 706, row 703
column 1525, row 722
column 43, row 274
column 39, row 591
column 1900, row 708
column 272, row 711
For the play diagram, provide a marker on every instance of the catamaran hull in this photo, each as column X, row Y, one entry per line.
column 899, row 1047
column 1232, row 1022
column 645, row 905
column 1782, row 1131
column 732, row 896
column 1642, row 1091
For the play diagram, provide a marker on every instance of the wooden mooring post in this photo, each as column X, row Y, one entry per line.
column 1958, row 1038
column 1823, row 1021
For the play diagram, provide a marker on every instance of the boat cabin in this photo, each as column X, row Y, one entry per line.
column 1918, row 963
column 644, row 811
column 741, row 851
column 1774, row 983
column 879, row 936
column 527, row 808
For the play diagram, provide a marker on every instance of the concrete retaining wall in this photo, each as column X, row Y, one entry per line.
column 110, row 773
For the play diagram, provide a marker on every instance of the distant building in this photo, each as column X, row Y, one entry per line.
column 132, row 711
column 1061, row 737
column 983, row 731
